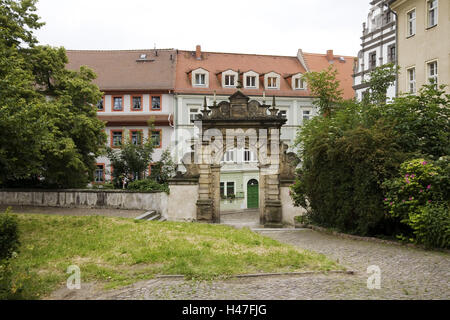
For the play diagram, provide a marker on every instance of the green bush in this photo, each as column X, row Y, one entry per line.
column 420, row 198
column 147, row 185
column 9, row 235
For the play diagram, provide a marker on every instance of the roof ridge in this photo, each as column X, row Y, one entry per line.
column 241, row 54
column 118, row 50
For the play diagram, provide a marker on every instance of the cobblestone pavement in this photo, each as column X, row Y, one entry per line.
column 406, row 273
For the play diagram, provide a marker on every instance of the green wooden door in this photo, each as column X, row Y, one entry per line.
column 252, row 194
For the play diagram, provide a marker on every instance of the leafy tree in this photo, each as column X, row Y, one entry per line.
column 129, row 159
column 380, row 79
column 164, row 169
column 325, row 87
column 50, row 132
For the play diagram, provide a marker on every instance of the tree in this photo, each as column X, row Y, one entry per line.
column 325, row 87
column 130, row 159
column 380, row 79
column 164, row 169
column 50, row 131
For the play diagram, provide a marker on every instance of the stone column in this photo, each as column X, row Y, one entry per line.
column 215, row 191
column 205, row 203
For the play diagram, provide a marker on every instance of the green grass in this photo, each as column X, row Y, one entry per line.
column 118, row 252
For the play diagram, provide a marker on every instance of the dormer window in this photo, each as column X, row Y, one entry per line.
column 299, row 83
column 229, row 81
column 200, row 79
column 272, row 82
column 251, row 80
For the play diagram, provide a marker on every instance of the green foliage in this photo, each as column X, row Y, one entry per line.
column 350, row 154
column 344, row 164
column 380, row 79
column 9, row 235
column 325, row 87
column 9, row 245
column 420, row 197
column 164, row 169
column 148, row 185
column 130, row 158
column 50, row 131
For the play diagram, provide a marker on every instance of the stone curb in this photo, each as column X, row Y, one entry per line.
column 260, row 275
column 372, row 239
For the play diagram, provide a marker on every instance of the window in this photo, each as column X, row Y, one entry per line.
column 432, row 72
column 156, row 138
column 229, row 80
column 222, row 189
column 283, row 113
column 372, row 60
column 136, row 103
column 117, row 103
column 299, row 83
column 226, row 189
column 230, row 188
column 193, row 112
column 432, row 13
column 156, row 103
column 411, row 18
column 388, row 18
column 306, row 115
column 250, row 82
column 99, row 174
column 100, row 106
column 272, row 82
column 249, row 156
column 391, row 53
column 412, row 80
column 116, row 138
column 229, row 156
column 136, row 137
column 200, row 79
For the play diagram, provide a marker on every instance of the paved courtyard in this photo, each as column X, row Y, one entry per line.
column 406, row 273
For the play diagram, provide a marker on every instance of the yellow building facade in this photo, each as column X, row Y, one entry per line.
column 423, row 43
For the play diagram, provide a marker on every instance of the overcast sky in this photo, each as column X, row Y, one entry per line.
column 277, row 27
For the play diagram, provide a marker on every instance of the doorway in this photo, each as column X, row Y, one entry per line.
column 253, row 194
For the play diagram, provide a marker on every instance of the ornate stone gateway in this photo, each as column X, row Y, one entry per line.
column 240, row 123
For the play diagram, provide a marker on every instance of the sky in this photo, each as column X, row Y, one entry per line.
column 275, row 27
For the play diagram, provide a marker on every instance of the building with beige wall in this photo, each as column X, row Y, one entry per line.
column 423, row 42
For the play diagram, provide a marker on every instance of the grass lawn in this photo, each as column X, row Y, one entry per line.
column 116, row 252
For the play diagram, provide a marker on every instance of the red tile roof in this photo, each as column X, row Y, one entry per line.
column 121, row 70
column 261, row 64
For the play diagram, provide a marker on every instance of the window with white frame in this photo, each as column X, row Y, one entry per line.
column 283, row 113
column 249, row 156
column 299, row 84
column 99, row 175
column 229, row 80
column 372, row 60
column 411, row 80
column 193, row 112
column 432, row 13
column 411, row 18
column 200, row 79
column 229, row 156
column 432, row 72
column 306, row 115
column 250, row 82
column 227, row 189
column 272, row 82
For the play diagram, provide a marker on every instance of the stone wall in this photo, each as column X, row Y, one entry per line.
column 182, row 202
column 109, row 199
column 288, row 209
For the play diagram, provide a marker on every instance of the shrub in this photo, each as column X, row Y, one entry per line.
column 9, row 235
column 148, row 185
column 420, row 198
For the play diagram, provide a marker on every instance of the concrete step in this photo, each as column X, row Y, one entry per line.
column 148, row 215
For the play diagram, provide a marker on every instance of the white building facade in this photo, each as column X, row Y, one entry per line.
column 378, row 46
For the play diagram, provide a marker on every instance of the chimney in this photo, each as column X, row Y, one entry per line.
column 198, row 52
column 330, row 55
